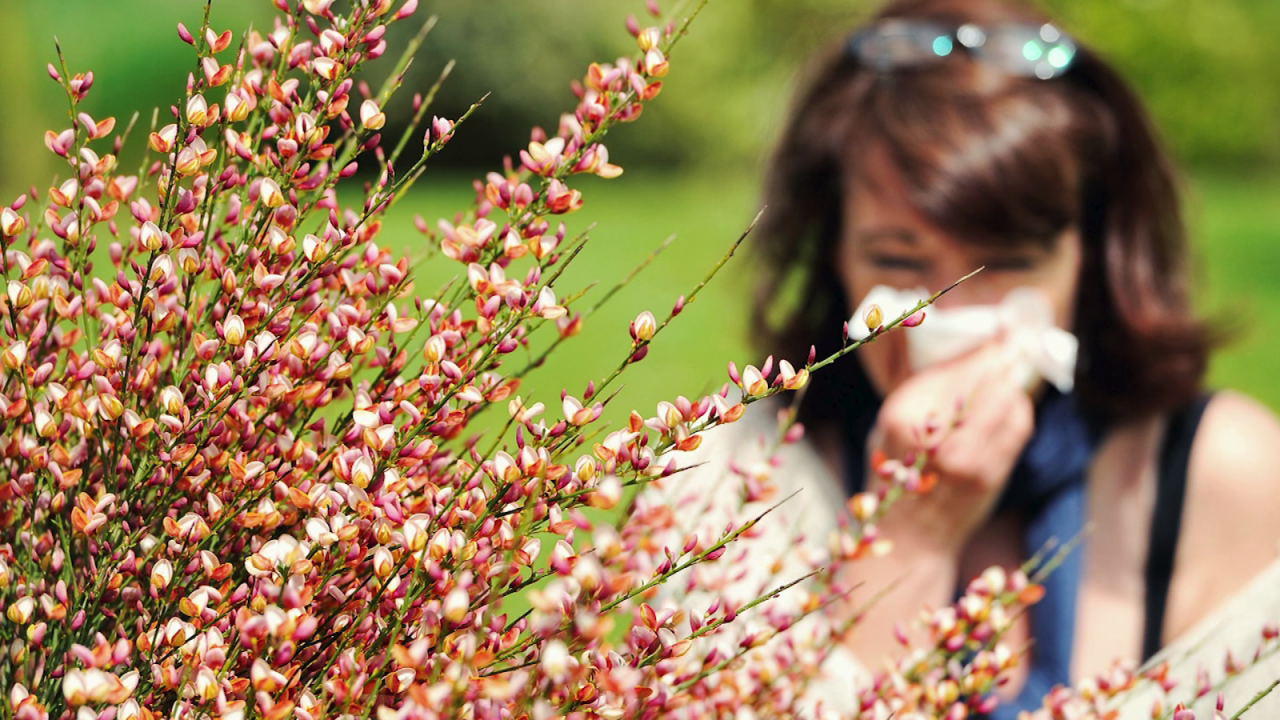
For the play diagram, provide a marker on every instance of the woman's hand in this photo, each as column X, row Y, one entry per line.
column 976, row 417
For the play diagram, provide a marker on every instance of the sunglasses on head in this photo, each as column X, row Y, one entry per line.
column 1039, row 51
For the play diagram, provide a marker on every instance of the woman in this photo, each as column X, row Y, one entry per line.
column 949, row 135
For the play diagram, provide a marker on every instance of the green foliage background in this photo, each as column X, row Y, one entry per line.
column 1209, row 69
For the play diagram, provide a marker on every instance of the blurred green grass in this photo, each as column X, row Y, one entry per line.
column 1236, row 252
column 1235, row 221
column 632, row 216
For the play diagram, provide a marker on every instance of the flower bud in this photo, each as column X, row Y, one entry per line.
column 151, row 236
column 792, row 379
column 327, row 68
column 197, row 110
column 233, row 331
column 555, row 660
column 863, row 506
column 456, row 604
column 655, row 63
column 15, row 356
column 648, row 39
column 188, row 162
column 163, row 140
column 206, row 684
column 585, row 469
column 270, row 193
column 383, row 563
column 161, row 574
column 314, row 248
column 161, row 270
column 11, row 223
column 171, row 400
column 110, row 407
column 441, row 130
column 643, row 327
column 371, row 116
column 19, row 294
column 607, row 494
column 753, row 382
column 874, row 317
column 189, row 260
column 434, row 350
column 45, row 426
column 20, row 612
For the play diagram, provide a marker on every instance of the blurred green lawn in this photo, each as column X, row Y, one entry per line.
column 1235, row 225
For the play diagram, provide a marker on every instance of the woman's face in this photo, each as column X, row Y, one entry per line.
column 887, row 242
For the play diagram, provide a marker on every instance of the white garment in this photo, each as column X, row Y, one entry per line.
column 706, row 498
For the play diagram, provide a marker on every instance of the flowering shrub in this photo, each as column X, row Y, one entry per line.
column 237, row 474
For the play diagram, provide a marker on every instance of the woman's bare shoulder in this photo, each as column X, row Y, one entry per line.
column 1234, row 473
column 1229, row 531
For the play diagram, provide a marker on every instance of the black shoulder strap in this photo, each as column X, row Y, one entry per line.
column 1166, row 520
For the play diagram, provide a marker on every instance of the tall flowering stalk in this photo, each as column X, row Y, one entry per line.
column 236, row 477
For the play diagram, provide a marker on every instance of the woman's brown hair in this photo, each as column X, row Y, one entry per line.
column 992, row 157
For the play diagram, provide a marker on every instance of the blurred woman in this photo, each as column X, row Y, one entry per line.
column 948, row 135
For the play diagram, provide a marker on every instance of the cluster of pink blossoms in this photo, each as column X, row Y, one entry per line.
column 240, row 472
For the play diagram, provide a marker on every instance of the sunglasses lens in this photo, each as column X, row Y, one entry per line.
column 1041, row 52
column 894, row 45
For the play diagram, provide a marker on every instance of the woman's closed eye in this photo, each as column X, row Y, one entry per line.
column 1011, row 263
column 905, row 263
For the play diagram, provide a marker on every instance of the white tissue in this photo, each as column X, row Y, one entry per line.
column 1037, row 347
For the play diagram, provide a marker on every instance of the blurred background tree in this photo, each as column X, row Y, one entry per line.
column 1208, row 69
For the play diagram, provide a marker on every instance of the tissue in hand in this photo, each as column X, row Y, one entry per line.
column 1036, row 346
